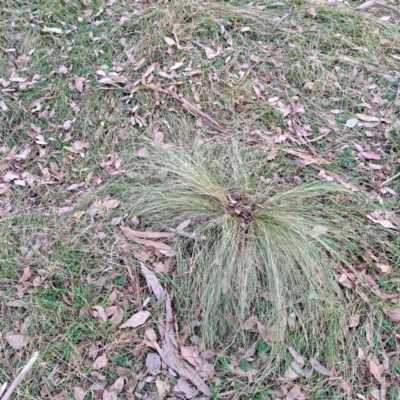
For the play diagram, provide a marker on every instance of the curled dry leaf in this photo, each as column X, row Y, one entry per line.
column 319, row 367
column 46, row 29
column 152, row 282
column 130, row 234
column 136, row 320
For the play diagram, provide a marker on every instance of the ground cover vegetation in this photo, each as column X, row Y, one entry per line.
column 200, row 199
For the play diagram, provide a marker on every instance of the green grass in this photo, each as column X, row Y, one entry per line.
column 347, row 54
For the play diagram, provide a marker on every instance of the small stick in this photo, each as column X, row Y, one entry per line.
column 180, row 233
column 20, row 376
column 390, row 179
column 228, row 393
column 374, row 3
column 282, row 19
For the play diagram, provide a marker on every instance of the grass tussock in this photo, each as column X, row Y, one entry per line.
column 263, row 249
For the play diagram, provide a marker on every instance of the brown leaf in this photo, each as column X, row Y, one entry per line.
column 79, row 393
column 152, row 282
column 26, row 275
column 100, row 313
column 169, row 41
column 298, row 358
column 355, row 321
column 307, row 157
column 52, row 30
column 393, row 313
column 119, row 384
column 17, row 341
column 319, row 367
column 250, row 322
column 79, row 83
column 151, row 334
column 153, row 363
column 170, row 355
column 293, row 393
column 131, row 234
column 183, row 225
column 162, row 388
column 190, row 355
column 158, row 137
column 376, row 370
column 184, row 387
column 111, row 204
column 136, row 320
column 100, row 362
column 15, row 303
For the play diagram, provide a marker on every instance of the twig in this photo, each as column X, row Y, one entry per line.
column 3, row 388
column 189, row 106
column 390, row 179
column 374, row 3
column 282, row 19
column 180, row 233
column 21, row 376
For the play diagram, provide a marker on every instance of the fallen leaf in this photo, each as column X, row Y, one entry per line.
column 190, row 355
column 298, row 358
column 63, row 69
column 319, row 367
column 312, row 12
column 111, row 204
column 52, row 30
column 17, row 341
column 15, row 303
column 158, row 137
column 383, row 267
column 250, row 322
column 176, row 66
column 352, row 122
column 131, row 234
column 376, row 370
column 79, row 83
column 153, row 363
column 136, row 320
column 100, row 313
column 355, row 321
column 119, row 384
column 100, row 362
column 169, row 41
column 307, row 157
column 162, row 388
column 393, row 313
column 26, row 275
column 184, row 387
column 183, row 225
column 152, row 282
column 370, row 156
column 79, row 393
column 293, row 393
column 142, row 152
column 367, row 118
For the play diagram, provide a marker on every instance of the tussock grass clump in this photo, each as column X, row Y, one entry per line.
column 264, row 248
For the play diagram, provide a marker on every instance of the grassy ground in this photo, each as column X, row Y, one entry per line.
column 76, row 117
